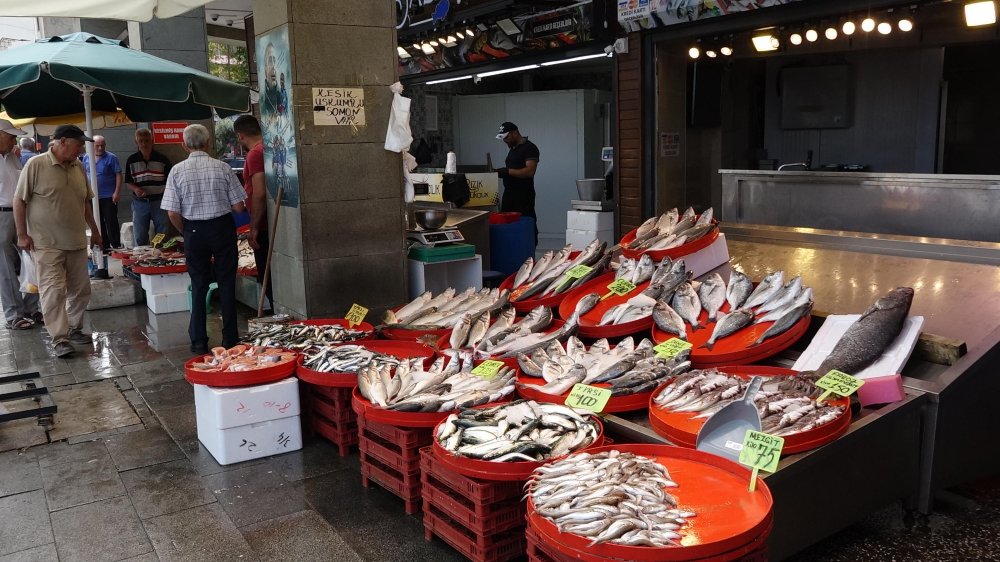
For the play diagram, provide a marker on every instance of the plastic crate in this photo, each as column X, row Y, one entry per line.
column 402, row 437
column 329, row 409
column 479, row 492
column 405, row 461
column 405, row 487
column 498, row 517
column 343, row 435
column 497, row 548
column 338, row 395
column 538, row 552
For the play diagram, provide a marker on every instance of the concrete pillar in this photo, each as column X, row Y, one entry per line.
column 342, row 242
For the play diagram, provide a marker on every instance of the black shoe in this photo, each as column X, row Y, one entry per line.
column 199, row 348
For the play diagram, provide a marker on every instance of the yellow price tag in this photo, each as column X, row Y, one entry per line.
column 838, row 382
column 356, row 315
column 588, row 397
column 578, row 271
column 158, row 238
column 620, row 287
column 761, row 451
column 488, row 369
column 670, row 348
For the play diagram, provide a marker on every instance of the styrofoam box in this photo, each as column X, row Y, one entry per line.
column 580, row 238
column 166, row 303
column 251, row 441
column 892, row 360
column 223, row 408
column 590, row 220
column 165, row 284
column 701, row 262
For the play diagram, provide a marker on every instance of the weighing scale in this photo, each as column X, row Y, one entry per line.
column 436, row 237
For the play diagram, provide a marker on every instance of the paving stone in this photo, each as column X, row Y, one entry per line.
column 155, row 372
column 302, row 536
column 44, row 553
column 100, row 435
column 104, row 530
column 77, row 483
column 142, row 448
column 130, row 346
column 56, row 381
column 168, row 394
column 19, row 472
column 90, row 366
column 148, row 557
column 22, row 433
column 63, row 452
column 197, row 534
column 166, row 488
column 123, row 383
column 316, row 458
column 255, row 493
column 90, row 408
column 24, row 522
column 205, row 464
column 180, row 421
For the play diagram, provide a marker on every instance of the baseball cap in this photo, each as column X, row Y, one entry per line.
column 8, row 127
column 505, row 128
column 70, row 132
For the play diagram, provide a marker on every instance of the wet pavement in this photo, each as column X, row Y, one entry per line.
column 121, row 475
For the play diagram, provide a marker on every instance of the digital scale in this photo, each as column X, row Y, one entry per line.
column 435, row 237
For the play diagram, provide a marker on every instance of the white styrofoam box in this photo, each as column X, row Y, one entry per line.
column 128, row 240
column 836, row 325
column 590, row 220
column 580, row 238
column 251, row 441
column 231, row 407
column 701, row 262
column 170, row 283
column 168, row 302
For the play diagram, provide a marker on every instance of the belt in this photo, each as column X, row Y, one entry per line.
column 6, row 209
column 150, row 197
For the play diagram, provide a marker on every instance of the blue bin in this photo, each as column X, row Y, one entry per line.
column 511, row 244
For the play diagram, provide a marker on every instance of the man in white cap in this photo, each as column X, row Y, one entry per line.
column 19, row 309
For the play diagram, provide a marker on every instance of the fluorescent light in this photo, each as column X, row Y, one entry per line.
column 812, row 35
column 694, row 52
column 980, row 12
column 764, row 41
column 885, row 28
column 849, row 28
column 443, row 80
column 795, row 39
column 868, row 25
column 574, row 59
column 905, row 24
column 402, row 53
column 726, row 51
column 427, row 49
column 831, row 33
column 506, row 70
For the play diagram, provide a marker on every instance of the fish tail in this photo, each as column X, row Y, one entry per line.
column 707, row 345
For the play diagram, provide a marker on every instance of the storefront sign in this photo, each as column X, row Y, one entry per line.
column 636, row 15
column 484, row 189
column 670, row 144
column 171, row 132
column 632, row 10
column 339, row 106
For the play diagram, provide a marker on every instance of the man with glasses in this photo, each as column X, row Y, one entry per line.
column 146, row 176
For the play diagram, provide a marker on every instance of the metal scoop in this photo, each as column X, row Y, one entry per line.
column 723, row 433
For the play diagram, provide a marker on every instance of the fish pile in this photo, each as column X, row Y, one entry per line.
column 546, row 277
column 242, row 358
column 246, row 258
column 301, row 336
column 446, row 310
column 407, row 387
column 612, row 497
column 664, row 279
column 523, row 430
column 671, row 230
column 343, row 358
column 526, row 336
column 628, row 368
column 773, row 300
column 158, row 262
column 782, row 412
column 146, row 252
column 472, row 332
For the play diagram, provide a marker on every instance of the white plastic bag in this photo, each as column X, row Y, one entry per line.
column 398, row 137
column 28, row 277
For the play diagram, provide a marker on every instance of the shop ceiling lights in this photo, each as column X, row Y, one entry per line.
column 764, row 41
column 711, row 54
column 905, row 24
column 694, row 52
column 468, row 77
column 507, row 70
column 812, row 36
column 726, row 51
column 470, row 32
column 433, row 43
column 416, row 46
column 451, row 39
column 427, row 48
column 978, row 13
column 885, row 28
column 849, row 28
column 868, row 25
column 574, row 59
column 795, row 39
column 831, row 33
column 403, row 54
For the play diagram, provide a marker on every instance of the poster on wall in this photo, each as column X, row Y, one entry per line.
column 634, row 16
column 339, row 106
column 274, row 71
column 484, row 188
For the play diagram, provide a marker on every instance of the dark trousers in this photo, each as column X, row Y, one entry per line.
column 260, row 258
column 203, row 241
column 111, row 235
column 520, row 201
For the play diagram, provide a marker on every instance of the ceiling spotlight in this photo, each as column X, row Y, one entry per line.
column 427, row 48
column 403, row 54
column 764, row 40
column 795, row 39
column 726, row 51
column 416, row 46
column 905, row 24
column 885, row 28
column 831, row 33
column 694, row 52
column 811, row 35
column 849, row 28
column 868, row 25
column 451, row 39
column 434, row 43
column 711, row 54
column 470, row 32
column 980, row 12
column 443, row 40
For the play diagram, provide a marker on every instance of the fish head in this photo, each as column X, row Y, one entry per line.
column 586, row 304
column 645, row 261
column 900, row 297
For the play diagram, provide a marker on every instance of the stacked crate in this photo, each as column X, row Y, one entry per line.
column 390, row 456
column 538, row 551
column 330, row 415
column 484, row 520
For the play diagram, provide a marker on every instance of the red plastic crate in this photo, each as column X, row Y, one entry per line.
column 405, row 487
column 538, row 552
column 479, row 492
column 406, row 461
column 333, row 393
column 343, row 435
column 331, row 410
column 497, row 548
column 499, row 517
column 402, row 437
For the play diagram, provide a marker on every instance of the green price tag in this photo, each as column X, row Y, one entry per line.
column 158, row 238
column 578, row 271
column 670, row 348
column 488, row 369
column 840, row 383
column 356, row 315
column 760, row 452
column 588, row 397
column 620, row 287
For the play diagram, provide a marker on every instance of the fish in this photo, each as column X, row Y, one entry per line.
column 738, row 290
column 806, row 296
column 461, row 332
column 728, row 325
column 667, row 319
column 766, row 289
column 649, row 225
column 541, row 265
column 706, row 217
column 503, row 321
column 784, row 297
column 687, row 304
column 712, row 293
column 643, row 270
column 301, row 336
column 523, row 272
column 478, row 330
column 789, row 319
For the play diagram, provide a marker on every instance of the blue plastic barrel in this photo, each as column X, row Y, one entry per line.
column 511, row 244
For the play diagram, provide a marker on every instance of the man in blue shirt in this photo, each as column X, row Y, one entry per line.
column 109, row 186
column 27, row 149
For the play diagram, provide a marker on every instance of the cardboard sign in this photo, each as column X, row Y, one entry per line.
column 356, row 315
column 588, row 397
column 838, row 382
column 670, row 348
column 339, row 106
column 578, row 271
column 488, row 369
column 168, row 132
column 620, row 287
column 157, row 239
column 761, row 451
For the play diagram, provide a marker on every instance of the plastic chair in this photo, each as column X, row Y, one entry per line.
column 208, row 297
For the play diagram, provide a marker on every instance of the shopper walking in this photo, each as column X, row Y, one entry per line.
column 519, row 173
column 248, row 132
column 19, row 309
column 52, row 212
column 109, row 186
column 146, row 176
column 27, row 149
column 200, row 197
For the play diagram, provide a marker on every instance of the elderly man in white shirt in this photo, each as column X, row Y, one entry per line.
column 20, row 309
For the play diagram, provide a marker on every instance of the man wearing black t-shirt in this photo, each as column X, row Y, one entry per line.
column 519, row 173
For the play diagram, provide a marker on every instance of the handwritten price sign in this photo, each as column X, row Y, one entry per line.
column 588, row 397
column 356, row 315
column 488, row 369
column 839, row 383
column 157, row 239
column 670, row 348
column 761, row 451
column 620, row 287
column 578, row 271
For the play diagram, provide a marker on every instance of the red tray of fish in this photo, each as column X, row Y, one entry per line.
column 737, row 348
column 402, row 334
column 673, row 253
column 528, row 304
column 682, row 428
column 444, row 342
column 164, row 270
column 502, row 471
column 589, row 327
column 251, row 377
column 342, row 322
column 373, row 413
column 615, row 403
column 398, row 349
column 730, row 519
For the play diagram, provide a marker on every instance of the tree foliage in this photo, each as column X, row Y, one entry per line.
column 230, row 62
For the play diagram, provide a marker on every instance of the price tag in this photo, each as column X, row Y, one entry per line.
column 488, row 369
column 620, row 287
column 578, row 271
column 840, row 383
column 588, row 397
column 356, row 315
column 158, row 238
column 670, row 348
column 761, row 451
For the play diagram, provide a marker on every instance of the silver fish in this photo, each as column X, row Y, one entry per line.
column 738, row 290
column 667, row 319
column 771, row 284
column 461, row 332
column 524, row 272
column 687, row 304
column 729, row 324
column 789, row 319
column 712, row 293
column 706, row 217
column 541, row 265
column 782, row 298
column 478, row 330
